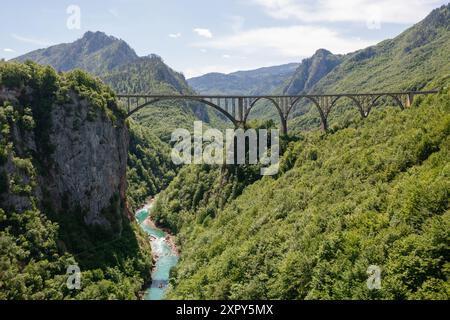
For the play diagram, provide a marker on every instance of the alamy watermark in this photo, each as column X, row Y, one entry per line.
column 74, row 277
column 374, row 15
column 374, row 279
column 211, row 147
column 74, row 20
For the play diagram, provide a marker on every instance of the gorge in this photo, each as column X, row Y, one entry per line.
column 75, row 173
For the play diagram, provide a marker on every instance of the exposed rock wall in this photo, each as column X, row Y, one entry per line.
column 86, row 171
column 90, row 159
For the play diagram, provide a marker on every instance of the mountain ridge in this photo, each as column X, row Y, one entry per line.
column 84, row 53
column 257, row 81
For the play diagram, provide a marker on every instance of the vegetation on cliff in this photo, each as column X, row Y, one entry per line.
column 37, row 242
column 373, row 193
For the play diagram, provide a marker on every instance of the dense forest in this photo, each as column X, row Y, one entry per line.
column 38, row 242
column 368, row 192
column 373, row 193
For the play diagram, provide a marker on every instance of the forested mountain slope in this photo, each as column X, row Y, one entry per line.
column 94, row 52
column 63, row 147
column 417, row 59
column 374, row 193
column 369, row 192
column 117, row 64
column 112, row 59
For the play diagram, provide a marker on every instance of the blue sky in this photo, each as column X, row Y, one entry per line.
column 200, row 36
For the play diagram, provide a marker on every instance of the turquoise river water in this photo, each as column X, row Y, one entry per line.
column 166, row 258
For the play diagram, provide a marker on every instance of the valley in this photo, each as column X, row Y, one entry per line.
column 76, row 176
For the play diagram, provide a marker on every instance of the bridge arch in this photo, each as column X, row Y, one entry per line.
column 396, row 98
column 242, row 105
column 209, row 103
column 358, row 104
column 272, row 100
column 277, row 106
column 322, row 112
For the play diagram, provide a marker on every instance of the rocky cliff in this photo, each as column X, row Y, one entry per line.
column 77, row 142
column 311, row 70
column 63, row 155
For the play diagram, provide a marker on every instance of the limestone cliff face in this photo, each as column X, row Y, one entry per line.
column 85, row 172
column 311, row 70
column 89, row 161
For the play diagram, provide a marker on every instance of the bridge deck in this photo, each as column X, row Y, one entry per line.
column 237, row 107
column 208, row 96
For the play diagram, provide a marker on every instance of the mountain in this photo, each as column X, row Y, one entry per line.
column 116, row 63
column 410, row 61
column 369, row 194
column 259, row 81
column 416, row 59
column 149, row 164
column 145, row 75
column 95, row 52
column 310, row 71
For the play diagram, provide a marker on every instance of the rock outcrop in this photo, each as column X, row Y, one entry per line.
column 311, row 70
column 77, row 151
column 89, row 161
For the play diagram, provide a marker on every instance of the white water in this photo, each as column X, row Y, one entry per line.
column 166, row 258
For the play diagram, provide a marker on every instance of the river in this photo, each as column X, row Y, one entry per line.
column 164, row 254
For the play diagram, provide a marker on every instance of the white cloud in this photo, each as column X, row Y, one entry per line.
column 226, row 56
column 398, row 11
column 175, row 35
column 289, row 42
column 9, row 50
column 30, row 40
column 206, row 33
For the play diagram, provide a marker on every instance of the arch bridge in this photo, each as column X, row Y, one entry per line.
column 237, row 108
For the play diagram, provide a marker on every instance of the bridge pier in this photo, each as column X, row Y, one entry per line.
column 240, row 125
column 240, row 109
column 284, row 127
column 324, row 124
column 409, row 100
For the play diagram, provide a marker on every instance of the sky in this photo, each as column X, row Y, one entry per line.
column 201, row 36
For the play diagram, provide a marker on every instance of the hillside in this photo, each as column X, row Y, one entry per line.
column 417, row 59
column 95, row 52
column 117, row 64
column 410, row 61
column 369, row 194
column 63, row 147
column 252, row 82
column 310, row 71
column 372, row 192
